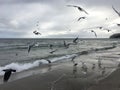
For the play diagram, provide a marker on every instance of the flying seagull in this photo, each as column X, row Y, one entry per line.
column 53, row 51
column 36, row 32
column 118, row 24
column 116, row 11
column 7, row 74
column 75, row 40
column 48, row 61
column 107, row 29
column 30, row 46
column 100, row 27
column 79, row 8
column 73, row 58
column 81, row 18
column 94, row 33
column 66, row 45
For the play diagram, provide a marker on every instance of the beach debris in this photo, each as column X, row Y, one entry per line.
column 36, row 32
column 7, row 74
column 54, row 82
column 94, row 33
column 79, row 8
column 116, row 11
column 81, row 18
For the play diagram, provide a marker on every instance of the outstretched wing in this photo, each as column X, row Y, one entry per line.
column 72, row 6
column 94, row 33
column 116, row 11
column 84, row 11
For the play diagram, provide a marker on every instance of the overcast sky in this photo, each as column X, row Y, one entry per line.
column 52, row 18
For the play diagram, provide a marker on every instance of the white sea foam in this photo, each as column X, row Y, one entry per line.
column 25, row 66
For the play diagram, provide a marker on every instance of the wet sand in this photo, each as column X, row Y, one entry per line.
column 65, row 76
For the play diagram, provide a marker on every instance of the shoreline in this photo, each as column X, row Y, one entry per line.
column 62, row 76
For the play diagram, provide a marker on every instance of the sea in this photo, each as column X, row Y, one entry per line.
column 14, row 52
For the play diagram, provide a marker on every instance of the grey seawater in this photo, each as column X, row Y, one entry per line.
column 14, row 52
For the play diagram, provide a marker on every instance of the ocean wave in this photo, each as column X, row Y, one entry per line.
column 37, row 62
column 25, row 66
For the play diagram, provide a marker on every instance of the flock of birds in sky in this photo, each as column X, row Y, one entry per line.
column 66, row 45
column 36, row 32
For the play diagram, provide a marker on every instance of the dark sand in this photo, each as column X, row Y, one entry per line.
column 65, row 77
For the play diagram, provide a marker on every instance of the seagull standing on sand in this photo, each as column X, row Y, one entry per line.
column 94, row 33
column 79, row 8
column 116, row 11
column 7, row 74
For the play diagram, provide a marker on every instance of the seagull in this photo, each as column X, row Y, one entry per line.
column 118, row 24
column 73, row 58
column 94, row 32
column 107, row 29
column 30, row 46
column 75, row 40
column 51, row 46
column 48, row 61
column 66, row 45
column 81, row 18
column 53, row 51
column 36, row 32
column 7, row 74
column 116, row 11
column 79, row 8
column 75, row 64
column 100, row 27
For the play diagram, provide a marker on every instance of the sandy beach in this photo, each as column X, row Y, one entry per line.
column 63, row 76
